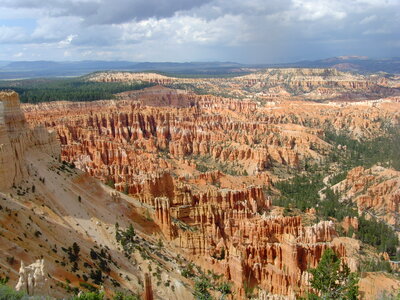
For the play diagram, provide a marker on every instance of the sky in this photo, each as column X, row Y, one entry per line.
column 245, row 31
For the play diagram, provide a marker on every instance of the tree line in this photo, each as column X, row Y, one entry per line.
column 77, row 89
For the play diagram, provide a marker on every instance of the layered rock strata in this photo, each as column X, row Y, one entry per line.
column 375, row 191
column 162, row 153
column 50, row 209
column 275, row 84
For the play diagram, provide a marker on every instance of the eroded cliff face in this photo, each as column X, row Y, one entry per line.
column 376, row 191
column 275, row 84
column 306, row 80
column 16, row 138
column 202, row 165
column 52, row 211
column 127, row 140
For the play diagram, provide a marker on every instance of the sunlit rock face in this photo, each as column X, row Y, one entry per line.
column 204, row 166
column 16, row 137
column 33, row 279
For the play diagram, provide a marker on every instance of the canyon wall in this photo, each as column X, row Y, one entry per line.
column 53, row 211
column 16, row 138
column 274, row 84
column 204, row 164
column 375, row 191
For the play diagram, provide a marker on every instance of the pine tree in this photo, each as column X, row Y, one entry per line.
column 333, row 279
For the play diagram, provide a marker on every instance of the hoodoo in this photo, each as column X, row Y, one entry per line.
column 168, row 194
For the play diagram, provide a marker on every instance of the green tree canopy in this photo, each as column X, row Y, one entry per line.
column 332, row 279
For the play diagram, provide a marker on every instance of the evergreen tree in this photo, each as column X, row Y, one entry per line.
column 333, row 279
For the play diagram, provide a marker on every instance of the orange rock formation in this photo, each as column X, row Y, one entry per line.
column 375, row 190
column 148, row 291
column 202, row 163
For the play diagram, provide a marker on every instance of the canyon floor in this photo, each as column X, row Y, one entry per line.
column 242, row 182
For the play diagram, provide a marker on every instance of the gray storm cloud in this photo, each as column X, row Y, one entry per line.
column 179, row 30
column 108, row 12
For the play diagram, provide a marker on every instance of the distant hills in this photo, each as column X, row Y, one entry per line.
column 359, row 64
column 36, row 69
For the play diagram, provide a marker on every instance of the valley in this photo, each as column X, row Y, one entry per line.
column 239, row 182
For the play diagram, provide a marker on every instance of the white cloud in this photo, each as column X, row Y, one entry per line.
column 312, row 10
column 12, row 34
column 183, row 29
column 67, row 41
column 50, row 29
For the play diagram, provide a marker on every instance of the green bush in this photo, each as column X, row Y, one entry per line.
column 188, row 271
column 7, row 293
column 89, row 287
column 201, row 287
column 332, row 207
column 225, row 288
column 122, row 296
column 375, row 265
column 202, row 168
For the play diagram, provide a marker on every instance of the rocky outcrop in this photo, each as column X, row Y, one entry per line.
column 317, row 83
column 121, row 141
column 128, row 77
column 201, row 166
column 160, row 96
column 108, row 140
column 275, row 84
column 16, row 138
column 163, row 216
column 375, row 191
column 33, row 279
column 52, row 210
column 349, row 223
column 148, row 291
column 273, row 254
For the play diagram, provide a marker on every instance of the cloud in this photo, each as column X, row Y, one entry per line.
column 12, row 34
column 183, row 30
column 67, row 41
column 178, row 30
column 19, row 54
column 315, row 10
column 108, row 12
column 368, row 19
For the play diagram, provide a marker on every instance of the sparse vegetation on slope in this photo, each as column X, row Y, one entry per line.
column 383, row 150
column 304, row 191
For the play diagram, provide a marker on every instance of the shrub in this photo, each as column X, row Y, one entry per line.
column 201, row 287
column 188, row 271
column 225, row 288
column 7, row 293
column 121, row 296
